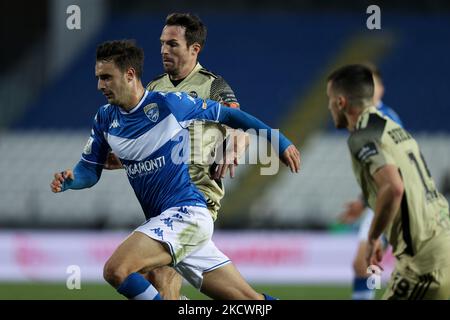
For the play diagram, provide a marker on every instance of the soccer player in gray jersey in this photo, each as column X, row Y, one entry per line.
column 397, row 184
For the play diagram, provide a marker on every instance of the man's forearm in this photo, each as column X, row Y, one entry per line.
column 386, row 207
column 241, row 120
column 85, row 176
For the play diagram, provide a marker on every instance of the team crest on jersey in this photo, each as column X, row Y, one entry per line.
column 152, row 112
column 193, row 94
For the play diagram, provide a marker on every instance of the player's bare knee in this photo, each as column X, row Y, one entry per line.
column 253, row 295
column 114, row 275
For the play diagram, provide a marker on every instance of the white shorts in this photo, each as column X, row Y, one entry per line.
column 187, row 232
column 363, row 232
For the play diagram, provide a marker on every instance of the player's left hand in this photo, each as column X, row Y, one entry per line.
column 113, row 162
column 236, row 145
column 291, row 158
column 374, row 252
column 221, row 170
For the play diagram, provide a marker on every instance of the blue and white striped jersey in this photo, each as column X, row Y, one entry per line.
column 152, row 143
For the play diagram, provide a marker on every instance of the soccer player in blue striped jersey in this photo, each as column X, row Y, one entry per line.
column 147, row 131
column 182, row 40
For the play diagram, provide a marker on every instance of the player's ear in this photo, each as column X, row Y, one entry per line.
column 130, row 74
column 196, row 48
column 341, row 102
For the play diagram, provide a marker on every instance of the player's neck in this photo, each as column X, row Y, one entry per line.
column 184, row 71
column 353, row 114
column 351, row 124
column 352, row 119
column 135, row 97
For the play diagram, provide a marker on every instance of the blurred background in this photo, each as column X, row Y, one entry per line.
column 276, row 56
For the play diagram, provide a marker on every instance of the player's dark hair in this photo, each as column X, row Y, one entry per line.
column 124, row 53
column 195, row 29
column 354, row 81
column 375, row 71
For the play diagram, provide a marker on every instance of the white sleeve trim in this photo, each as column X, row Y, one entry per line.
column 82, row 158
column 218, row 113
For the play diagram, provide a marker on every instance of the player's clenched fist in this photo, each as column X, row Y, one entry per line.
column 291, row 158
column 58, row 180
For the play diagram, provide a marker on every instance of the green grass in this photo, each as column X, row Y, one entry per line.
column 58, row 291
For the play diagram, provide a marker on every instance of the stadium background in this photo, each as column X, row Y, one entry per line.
column 282, row 230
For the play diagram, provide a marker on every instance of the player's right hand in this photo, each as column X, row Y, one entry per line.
column 291, row 158
column 374, row 253
column 58, row 180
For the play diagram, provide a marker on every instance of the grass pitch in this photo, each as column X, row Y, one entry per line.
column 95, row 291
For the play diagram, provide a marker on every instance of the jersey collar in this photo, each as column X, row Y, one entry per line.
column 196, row 69
column 363, row 118
column 137, row 106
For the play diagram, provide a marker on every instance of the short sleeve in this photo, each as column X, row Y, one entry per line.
column 221, row 92
column 370, row 153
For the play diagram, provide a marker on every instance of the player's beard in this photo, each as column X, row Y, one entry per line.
column 170, row 68
column 172, row 72
column 341, row 121
column 112, row 99
column 120, row 96
column 109, row 97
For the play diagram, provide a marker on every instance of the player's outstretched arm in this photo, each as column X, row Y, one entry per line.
column 186, row 109
column 238, row 119
column 84, row 175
